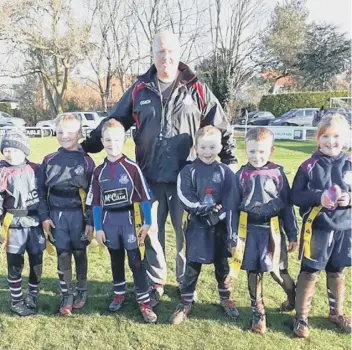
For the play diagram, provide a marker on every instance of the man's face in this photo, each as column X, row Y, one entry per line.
column 113, row 141
column 13, row 156
column 208, row 147
column 259, row 152
column 166, row 51
column 69, row 134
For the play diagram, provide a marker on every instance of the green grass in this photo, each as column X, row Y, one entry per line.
column 207, row 327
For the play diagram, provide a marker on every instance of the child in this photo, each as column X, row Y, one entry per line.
column 67, row 175
column 326, row 234
column 203, row 189
column 117, row 185
column 21, row 209
column 262, row 211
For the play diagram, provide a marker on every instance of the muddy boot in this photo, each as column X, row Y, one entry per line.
column 336, row 293
column 255, row 288
column 289, row 287
column 230, row 308
column 180, row 314
column 79, row 299
column 66, row 305
column 304, row 292
column 21, row 309
column 31, row 301
column 147, row 312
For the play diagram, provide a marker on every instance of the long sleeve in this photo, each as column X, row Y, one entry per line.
column 213, row 114
column 301, row 195
column 287, row 214
column 122, row 112
column 90, row 170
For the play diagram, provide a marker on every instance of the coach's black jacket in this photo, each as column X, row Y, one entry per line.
column 165, row 134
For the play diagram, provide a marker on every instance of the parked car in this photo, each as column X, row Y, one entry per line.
column 329, row 111
column 90, row 120
column 258, row 118
column 9, row 122
column 296, row 117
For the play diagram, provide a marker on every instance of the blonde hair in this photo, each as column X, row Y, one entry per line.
column 112, row 124
column 64, row 119
column 335, row 120
column 208, row 130
column 259, row 134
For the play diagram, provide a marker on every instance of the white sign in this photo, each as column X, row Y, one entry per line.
column 288, row 133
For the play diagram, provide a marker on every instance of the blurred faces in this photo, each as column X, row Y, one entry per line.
column 13, row 156
column 332, row 141
column 113, row 140
column 68, row 134
column 259, row 152
column 166, row 52
column 208, row 147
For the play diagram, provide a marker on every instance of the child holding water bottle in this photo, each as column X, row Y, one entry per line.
column 322, row 190
column 203, row 188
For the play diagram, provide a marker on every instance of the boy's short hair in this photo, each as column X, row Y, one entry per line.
column 64, row 119
column 259, row 134
column 208, row 130
column 112, row 124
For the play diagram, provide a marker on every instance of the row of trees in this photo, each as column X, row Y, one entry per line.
column 48, row 42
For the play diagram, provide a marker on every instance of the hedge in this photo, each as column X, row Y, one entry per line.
column 281, row 103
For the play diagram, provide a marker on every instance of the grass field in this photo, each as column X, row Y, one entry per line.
column 207, row 328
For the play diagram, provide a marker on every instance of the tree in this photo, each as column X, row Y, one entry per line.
column 50, row 41
column 326, row 54
column 284, row 39
column 234, row 37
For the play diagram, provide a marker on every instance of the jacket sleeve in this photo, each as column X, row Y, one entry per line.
column 188, row 195
column 90, row 170
column 301, row 195
column 213, row 114
column 232, row 210
column 122, row 112
column 288, row 214
column 142, row 191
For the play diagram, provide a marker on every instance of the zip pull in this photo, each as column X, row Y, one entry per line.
column 160, row 136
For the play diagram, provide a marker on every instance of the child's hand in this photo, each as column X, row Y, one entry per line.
column 217, row 208
column 143, row 233
column 344, row 200
column 47, row 226
column 88, row 233
column 291, row 247
column 100, row 237
column 325, row 201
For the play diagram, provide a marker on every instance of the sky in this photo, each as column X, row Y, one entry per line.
column 337, row 12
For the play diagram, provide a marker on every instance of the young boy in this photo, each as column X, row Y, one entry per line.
column 262, row 209
column 21, row 209
column 67, row 175
column 117, row 187
column 203, row 190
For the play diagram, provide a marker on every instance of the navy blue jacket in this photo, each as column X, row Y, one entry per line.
column 65, row 172
column 165, row 135
column 316, row 175
column 192, row 183
column 263, row 193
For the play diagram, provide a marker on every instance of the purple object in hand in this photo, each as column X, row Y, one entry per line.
column 334, row 193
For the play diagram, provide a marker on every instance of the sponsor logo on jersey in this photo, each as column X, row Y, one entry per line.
column 79, row 170
column 32, row 198
column 117, row 196
column 145, row 102
column 216, row 177
column 124, row 179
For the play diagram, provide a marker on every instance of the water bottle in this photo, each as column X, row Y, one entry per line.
column 208, row 198
column 334, row 193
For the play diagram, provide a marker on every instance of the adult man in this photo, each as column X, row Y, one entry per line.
column 168, row 105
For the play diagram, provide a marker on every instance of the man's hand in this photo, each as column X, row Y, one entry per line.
column 88, row 233
column 143, row 233
column 291, row 247
column 233, row 167
column 344, row 200
column 100, row 237
column 47, row 226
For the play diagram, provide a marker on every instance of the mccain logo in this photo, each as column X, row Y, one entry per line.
column 117, row 196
